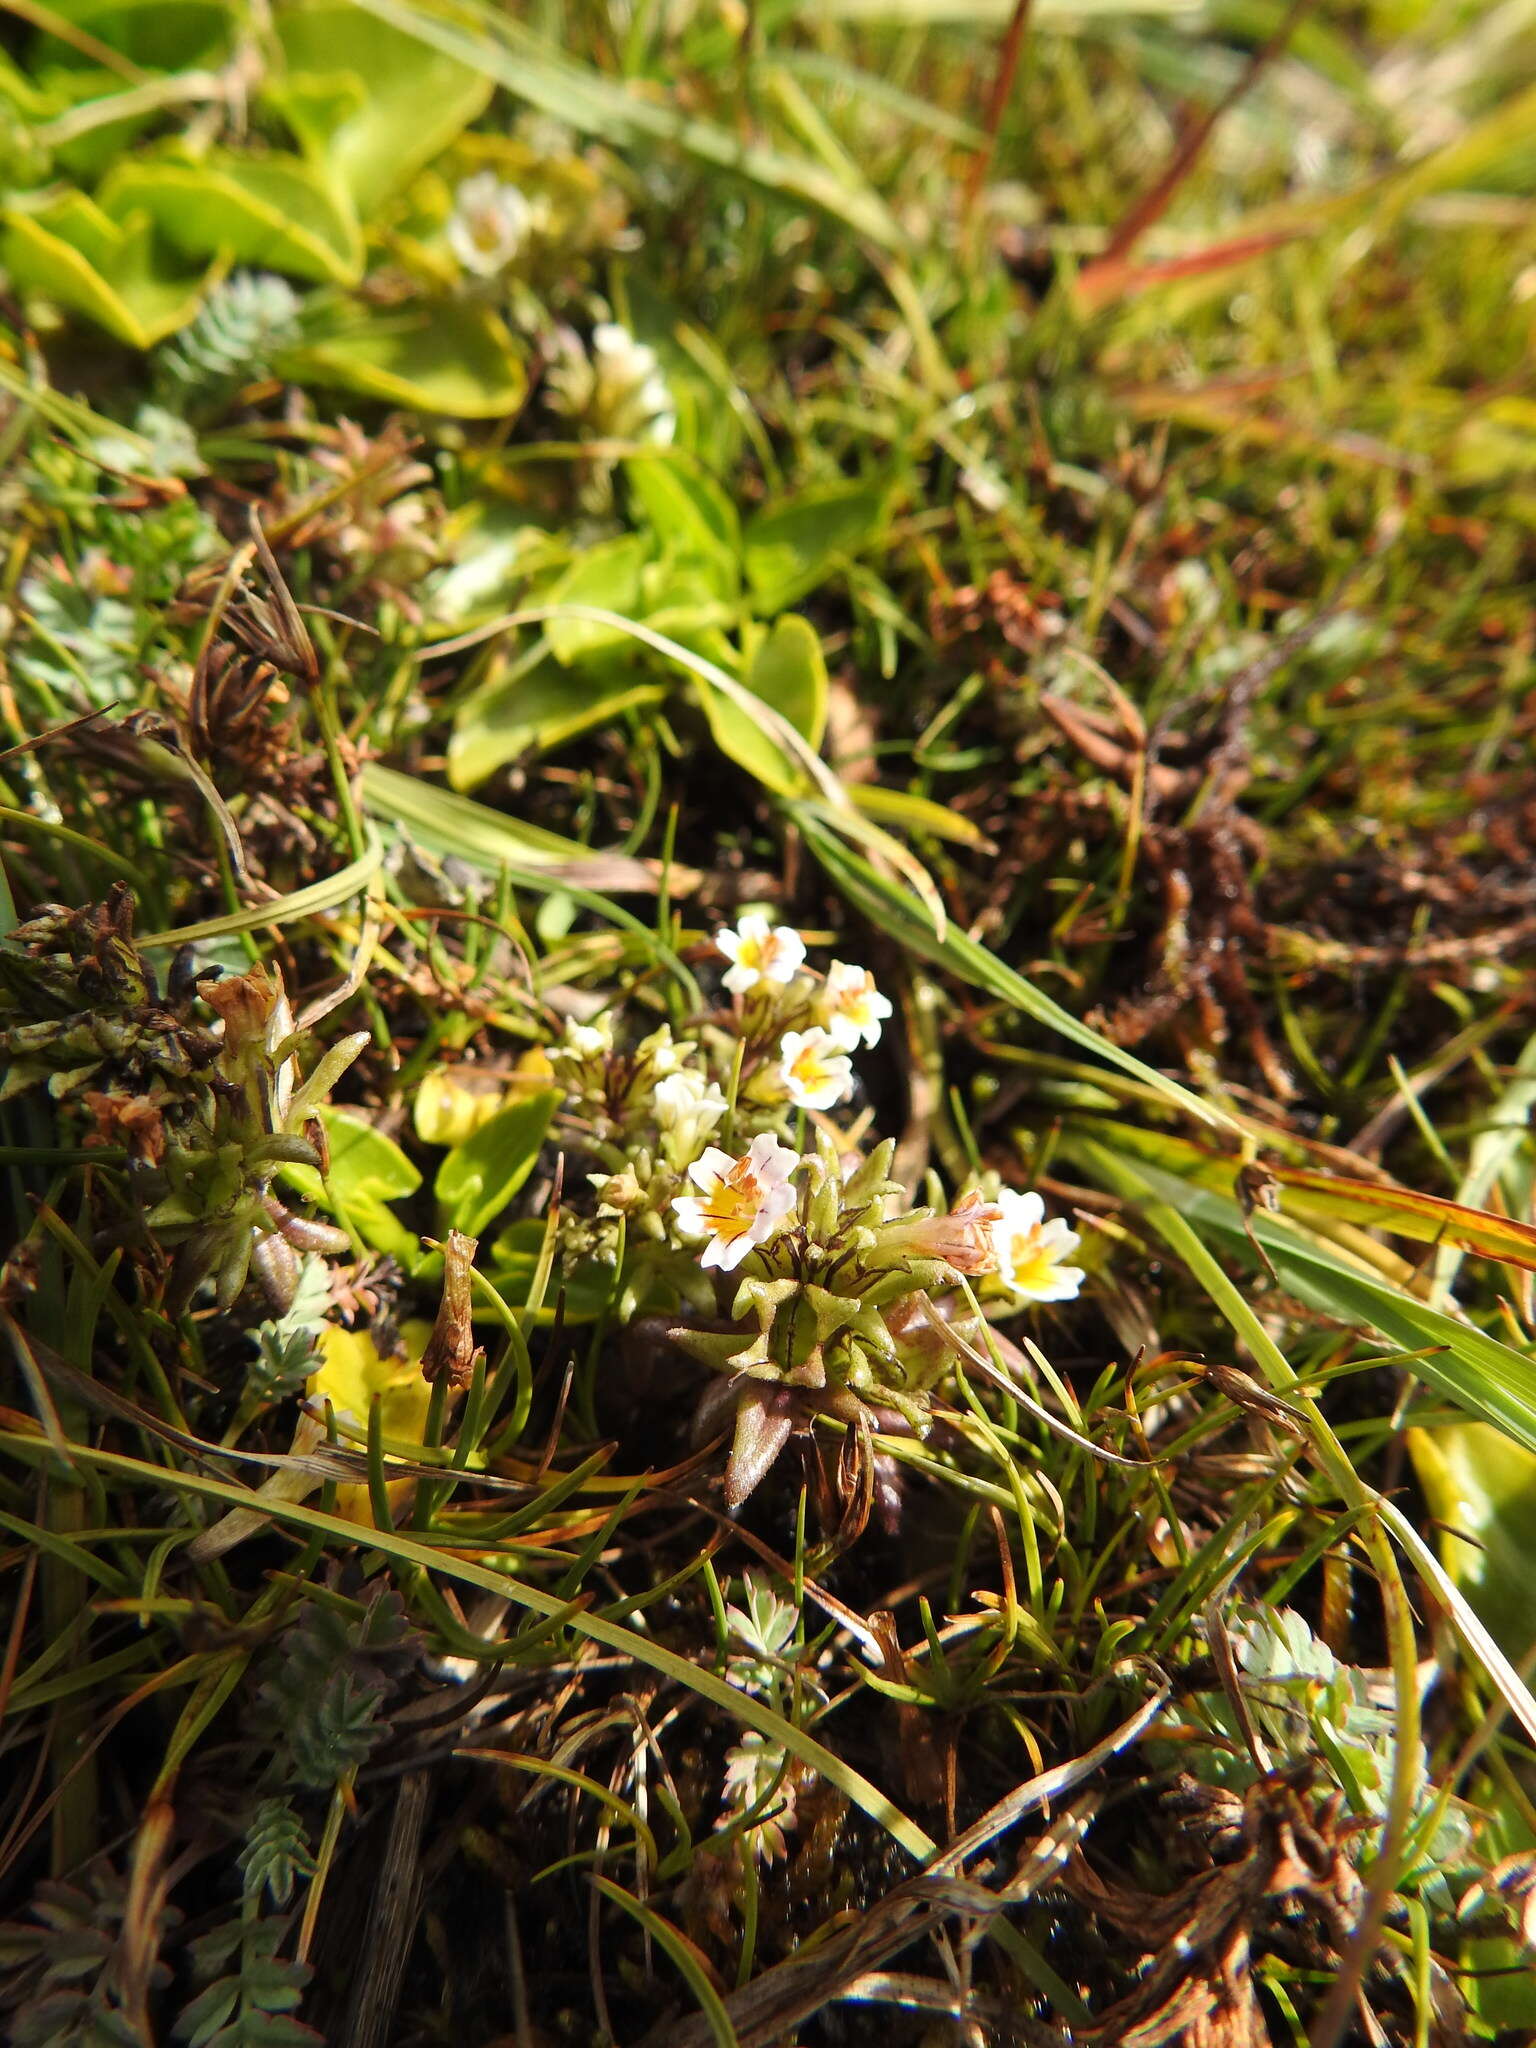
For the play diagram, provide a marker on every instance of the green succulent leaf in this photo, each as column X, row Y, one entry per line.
column 453, row 359
column 117, row 272
column 272, row 212
column 369, row 104
column 479, row 1177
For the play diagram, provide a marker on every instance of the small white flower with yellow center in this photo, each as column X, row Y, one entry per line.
column 814, row 1069
column 687, row 1105
column 1030, row 1251
column 741, row 1202
column 852, row 1008
column 758, row 952
column 489, row 223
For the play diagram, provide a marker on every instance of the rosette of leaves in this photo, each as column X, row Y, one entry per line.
column 811, row 1322
column 116, row 213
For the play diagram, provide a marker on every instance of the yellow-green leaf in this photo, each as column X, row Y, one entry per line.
column 114, row 272
column 271, row 211
column 453, row 359
column 369, row 104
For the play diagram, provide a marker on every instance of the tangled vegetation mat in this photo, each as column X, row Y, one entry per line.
column 766, row 872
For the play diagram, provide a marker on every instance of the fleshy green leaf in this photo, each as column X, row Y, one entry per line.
column 453, row 359
column 367, row 1171
column 115, row 272
column 607, row 576
column 369, row 104
column 1481, row 1488
column 515, row 1255
column 789, row 673
column 478, row 1178
column 269, row 211
column 690, row 515
column 542, row 708
column 793, row 546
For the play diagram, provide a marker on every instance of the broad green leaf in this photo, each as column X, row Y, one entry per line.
column 797, row 544
column 542, row 708
column 114, row 272
column 156, row 35
column 478, row 1178
column 788, row 672
column 607, row 576
column 366, row 1172
column 369, row 103
column 1481, row 1488
column 449, row 358
column 271, row 211
column 689, row 515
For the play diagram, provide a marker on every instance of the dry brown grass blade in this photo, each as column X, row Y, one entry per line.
column 1146, row 211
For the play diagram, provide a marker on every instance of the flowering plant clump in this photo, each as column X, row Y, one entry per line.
column 770, row 1249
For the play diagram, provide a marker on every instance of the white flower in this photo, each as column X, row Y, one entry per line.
column 816, row 1073
column 852, row 1008
column 614, row 390
column 586, row 1041
column 742, row 1201
column 760, row 952
column 687, row 1105
column 489, row 223
column 1030, row 1251
column 628, row 386
column 661, row 1052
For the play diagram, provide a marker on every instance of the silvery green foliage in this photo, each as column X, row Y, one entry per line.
column 1305, row 1704
column 276, row 1852
column 161, row 445
column 82, row 639
column 250, row 1992
column 287, row 1343
column 241, row 329
column 762, row 1636
column 59, row 1972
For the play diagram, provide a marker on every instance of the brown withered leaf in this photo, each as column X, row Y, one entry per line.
column 452, row 1352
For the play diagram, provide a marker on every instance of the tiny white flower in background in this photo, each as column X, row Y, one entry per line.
column 628, row 387
column 815, row 1070
column 587, row 1041
column 741, row 1202
column 852, row 1008
column 758, row 952
column 687, row 1105
column 612, row 389
column 1030, row 1251
column 489, row 223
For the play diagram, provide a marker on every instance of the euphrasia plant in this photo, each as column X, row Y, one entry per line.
column 196, row 1116
column 774, row 1252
